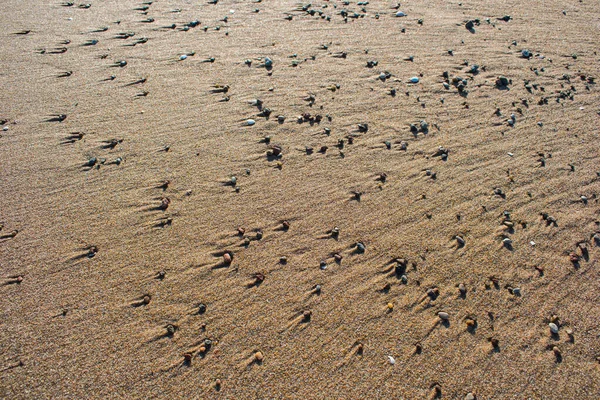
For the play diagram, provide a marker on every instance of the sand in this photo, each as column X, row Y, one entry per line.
column 75, row 326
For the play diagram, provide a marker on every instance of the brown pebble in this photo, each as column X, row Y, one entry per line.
column 164, row 203
column 241, row 231
column 557, row 352
column 285, row 225
column 187, row 357
column 258, row 356
column 306, row 315
column 218, row 384
column 227, row 258
column 338, row 257
column 146, row 299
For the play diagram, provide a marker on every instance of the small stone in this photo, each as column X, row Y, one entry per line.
column 202, row 308
column 553, row 327
column 227, row 258
column 250, row 122
column 171, row 329
column 391, row 360
column 306, row 315
column 443, row 315
column 462, row 289
column 470, row 396
column 323, row 265
column 146, row 299
column 360, row 247
column 258, row 356
column 556, row 351
column 335, row 232
column 390, row 306
column 318, row 289
column 283, row 260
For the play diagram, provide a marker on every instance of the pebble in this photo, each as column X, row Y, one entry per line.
column 470, row 396
column 250, row 122
column 443, row 315
column 391, row 360
column 400, row 14
column 5, row 128
column 553, row 327
column 183, row 57
column 202, row 308
column 414, row 79
column 323, row 265
column 258, row 356
column 360, row 247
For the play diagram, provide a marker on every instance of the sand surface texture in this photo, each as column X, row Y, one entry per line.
column 118, row 205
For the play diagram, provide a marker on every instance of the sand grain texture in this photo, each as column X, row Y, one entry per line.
column 78, row 326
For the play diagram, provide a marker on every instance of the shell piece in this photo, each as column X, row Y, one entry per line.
column 391, row 360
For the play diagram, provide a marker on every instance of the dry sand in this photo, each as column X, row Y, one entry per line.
column 76, row 326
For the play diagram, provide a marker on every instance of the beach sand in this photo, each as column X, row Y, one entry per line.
column 85, row 309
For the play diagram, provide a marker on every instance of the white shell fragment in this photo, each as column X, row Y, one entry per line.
column 391, row 360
